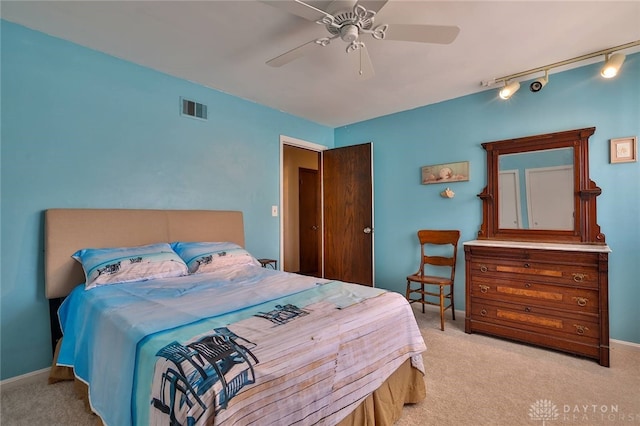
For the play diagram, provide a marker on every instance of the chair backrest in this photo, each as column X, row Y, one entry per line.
column 177, row 353
column 438, row 237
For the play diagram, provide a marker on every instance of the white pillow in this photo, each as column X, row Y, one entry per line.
column 206, row 257
column 125, row 264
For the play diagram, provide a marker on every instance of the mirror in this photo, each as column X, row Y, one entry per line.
column 538, row 189
column 535, row 190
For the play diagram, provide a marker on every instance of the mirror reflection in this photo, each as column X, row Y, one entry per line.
column 536, row 190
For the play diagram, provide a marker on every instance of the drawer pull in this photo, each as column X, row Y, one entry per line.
column 582, row 301
column 580, row 329
column 483, row 312
column 484, row 288
column 527, row 285
column 527, row 309
column 526, row 265
column 483, row 268
column 579, row 277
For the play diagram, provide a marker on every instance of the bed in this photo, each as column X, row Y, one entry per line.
column 226, row 343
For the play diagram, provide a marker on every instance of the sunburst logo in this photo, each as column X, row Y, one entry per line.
column 543, row 410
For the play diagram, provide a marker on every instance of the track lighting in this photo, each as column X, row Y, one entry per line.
column 612, row 65
column 509, row 89
column 539, row 83
column 613, row 62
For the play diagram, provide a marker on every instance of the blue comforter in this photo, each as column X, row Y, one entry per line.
column 105, row 327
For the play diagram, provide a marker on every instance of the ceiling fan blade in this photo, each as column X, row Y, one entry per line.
column 293, row 54
column 299, row 8
column 439, row 34
column 374, row 5
column 364, row 66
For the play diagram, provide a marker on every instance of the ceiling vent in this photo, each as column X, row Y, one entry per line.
column 193, row 109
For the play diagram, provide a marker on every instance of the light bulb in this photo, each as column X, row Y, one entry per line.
column 612, row 65
column 507, row 91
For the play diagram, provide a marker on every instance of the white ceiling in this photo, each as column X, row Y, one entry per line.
column 224, row 45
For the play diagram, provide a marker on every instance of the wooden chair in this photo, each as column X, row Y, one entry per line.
column 436, row 261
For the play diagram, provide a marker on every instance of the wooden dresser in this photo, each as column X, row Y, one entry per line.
column 546, row 294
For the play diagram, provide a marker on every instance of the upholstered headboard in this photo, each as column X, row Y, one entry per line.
column 68, row 230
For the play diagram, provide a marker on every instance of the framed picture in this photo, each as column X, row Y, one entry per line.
column 445, row 173
column 624, row 150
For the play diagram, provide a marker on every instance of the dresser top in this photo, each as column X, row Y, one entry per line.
column 540, row 245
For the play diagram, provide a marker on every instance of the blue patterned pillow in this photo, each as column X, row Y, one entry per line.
column 125, row 264
column 207, row 257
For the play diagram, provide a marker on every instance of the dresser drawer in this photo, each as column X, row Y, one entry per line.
column 549, row 256
column 579, row 300
column 559, row 273
column 574, row 327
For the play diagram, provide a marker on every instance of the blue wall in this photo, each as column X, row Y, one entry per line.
column 83, row 129
column 453, row 131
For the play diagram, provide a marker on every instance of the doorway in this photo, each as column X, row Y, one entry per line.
column 297, row 249
column 344, row 234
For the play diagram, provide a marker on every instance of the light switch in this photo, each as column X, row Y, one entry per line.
column 274, row 211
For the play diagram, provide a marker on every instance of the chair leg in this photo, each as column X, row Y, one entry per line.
column 453, row 308
column 422, row 288
column 442, row 308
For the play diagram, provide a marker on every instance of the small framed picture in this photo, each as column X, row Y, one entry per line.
column 624, row 150
column 445, row 173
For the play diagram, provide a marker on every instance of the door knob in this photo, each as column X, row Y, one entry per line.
column 314, row 227
column 367, row 230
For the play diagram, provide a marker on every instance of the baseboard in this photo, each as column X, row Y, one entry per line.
column 629, row 345
column 34, row 376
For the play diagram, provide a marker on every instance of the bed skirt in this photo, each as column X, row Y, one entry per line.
column 382, row 408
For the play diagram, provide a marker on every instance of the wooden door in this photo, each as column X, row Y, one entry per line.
column 348, row 213
column 309, row 221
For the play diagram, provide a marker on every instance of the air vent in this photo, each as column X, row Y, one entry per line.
column 193, row 109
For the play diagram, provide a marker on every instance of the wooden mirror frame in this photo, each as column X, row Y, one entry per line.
column 586, row 229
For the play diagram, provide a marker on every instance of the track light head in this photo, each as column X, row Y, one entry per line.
column 539, row 83
column 612, row 65
column 508, row 90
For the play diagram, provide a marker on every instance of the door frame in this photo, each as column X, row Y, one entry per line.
column 287, row 140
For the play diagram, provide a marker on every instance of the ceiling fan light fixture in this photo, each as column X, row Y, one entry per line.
column 349, row 33
column 612, row 65
column 509, row 89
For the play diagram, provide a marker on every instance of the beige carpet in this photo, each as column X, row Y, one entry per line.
column 478, row 380
column 471, row 380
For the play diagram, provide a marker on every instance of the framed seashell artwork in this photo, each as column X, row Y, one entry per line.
column 445, row 173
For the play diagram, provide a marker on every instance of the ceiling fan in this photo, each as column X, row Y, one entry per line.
column 350, row 23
